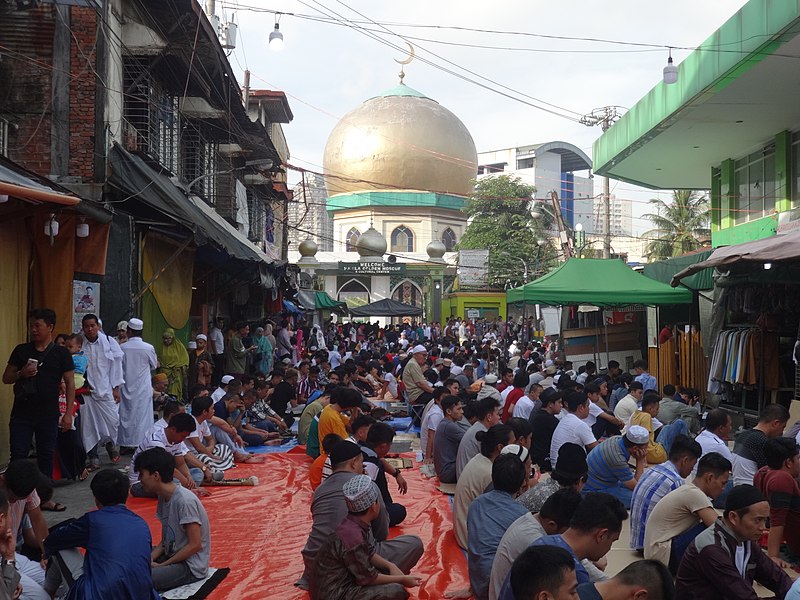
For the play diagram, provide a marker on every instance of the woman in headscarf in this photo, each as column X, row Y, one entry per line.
column 265, row 350
column 173, row 360
column 270, row 335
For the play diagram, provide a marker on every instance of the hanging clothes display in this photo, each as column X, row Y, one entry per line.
column 742, row 356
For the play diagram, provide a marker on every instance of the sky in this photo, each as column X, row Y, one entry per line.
column 329, row 65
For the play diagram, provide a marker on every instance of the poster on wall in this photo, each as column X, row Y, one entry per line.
column 85, row 300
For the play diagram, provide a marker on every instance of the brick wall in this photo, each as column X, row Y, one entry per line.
column 25, row 74
column 83, row 62
column 25, row 86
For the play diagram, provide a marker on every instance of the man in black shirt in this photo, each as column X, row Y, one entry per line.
column 285, row 396
column 36, row 369
column 544, row 423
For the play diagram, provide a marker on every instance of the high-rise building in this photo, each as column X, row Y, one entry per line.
column 551, row 167
column 620, row 216
column 308, row 214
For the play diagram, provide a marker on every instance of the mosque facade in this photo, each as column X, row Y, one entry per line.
column 398, row 171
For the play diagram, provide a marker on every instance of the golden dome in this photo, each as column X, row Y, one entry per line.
column 400, row 140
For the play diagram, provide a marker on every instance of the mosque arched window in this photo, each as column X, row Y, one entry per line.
column 449, row 239
column 352, row 239
column 402, row 239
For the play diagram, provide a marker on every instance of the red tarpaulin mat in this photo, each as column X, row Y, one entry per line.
column 258, row 532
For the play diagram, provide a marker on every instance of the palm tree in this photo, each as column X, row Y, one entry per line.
column 680, row 226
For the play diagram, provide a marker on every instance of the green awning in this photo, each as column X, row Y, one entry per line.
column 314, row 300
column 664, row 270
column 597, row 281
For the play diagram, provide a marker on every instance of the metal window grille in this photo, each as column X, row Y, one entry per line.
column 4, row 127
column 151, row 114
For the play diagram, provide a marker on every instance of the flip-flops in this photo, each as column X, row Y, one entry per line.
column 56, row 507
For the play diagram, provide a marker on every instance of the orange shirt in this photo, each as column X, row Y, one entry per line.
column 332, row 421
column 315, row 471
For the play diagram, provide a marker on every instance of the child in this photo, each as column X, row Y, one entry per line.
column 316, row 468
column 182, row 555
column 347, row 565
column 73, row 343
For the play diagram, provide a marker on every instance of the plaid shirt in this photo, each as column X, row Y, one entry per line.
column 655, row 483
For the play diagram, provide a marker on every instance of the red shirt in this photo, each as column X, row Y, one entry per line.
column 512, row 398
column 782, row 492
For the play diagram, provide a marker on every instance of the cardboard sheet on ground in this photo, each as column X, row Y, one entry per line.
column 259, row 531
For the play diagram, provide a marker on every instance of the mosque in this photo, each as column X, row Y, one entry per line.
column 398, row 171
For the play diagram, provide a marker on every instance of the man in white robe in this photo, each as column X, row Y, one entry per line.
column 136, row 394
column 100, row 411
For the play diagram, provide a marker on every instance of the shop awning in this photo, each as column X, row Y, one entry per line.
column 20, row 183
column 386, row 308
column 291, row 307
column 664, row 270
column 597, row 281
column 779, row 248
column 315, row 300
column 131, row 174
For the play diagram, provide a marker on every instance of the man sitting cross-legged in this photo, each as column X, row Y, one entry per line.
column 553, row 518
column 328, row 510
column 658, row 481
column 447, row 439
column 724, row 560
column 171, row 439
column 643, row 579
column 117, row 543
column 594, row 527
column 683, row 513
column 225, row 424
column 201, row 442
column 182, row 555
column 491, row 514
column 375, row 448
column 349, row 566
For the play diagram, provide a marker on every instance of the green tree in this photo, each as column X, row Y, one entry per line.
column 501, row 219
column 680, row 226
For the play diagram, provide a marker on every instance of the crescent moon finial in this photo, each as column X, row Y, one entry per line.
column 405, row 61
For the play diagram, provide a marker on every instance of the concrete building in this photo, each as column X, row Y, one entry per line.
column 552, row 166
column 308, row 214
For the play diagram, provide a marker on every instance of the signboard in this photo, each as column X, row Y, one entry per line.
column 85, row 300
column 376, row 268
column 473, row 268
column 473, row 313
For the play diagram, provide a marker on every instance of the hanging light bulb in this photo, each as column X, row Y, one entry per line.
column 51, row 226
column 276, row 38
column 82, row 230
column 670, row 71
column 3, row 198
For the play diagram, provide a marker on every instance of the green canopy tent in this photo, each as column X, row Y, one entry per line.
column 316, row 300
column 599, row 282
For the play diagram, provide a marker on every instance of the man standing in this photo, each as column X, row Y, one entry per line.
column 216, row 344
column 36, row 369
column 100, row 413
column 724, row 560
column 136, row 394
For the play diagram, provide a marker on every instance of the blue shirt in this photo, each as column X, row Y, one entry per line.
column 117, row 561
column 548, row 540
column 81, row 362
column 655, row 483
column 648, row 381
column 489, row 517
column 608, row 465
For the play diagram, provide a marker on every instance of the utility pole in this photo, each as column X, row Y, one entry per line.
column 563, row 236
column 605, row 117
